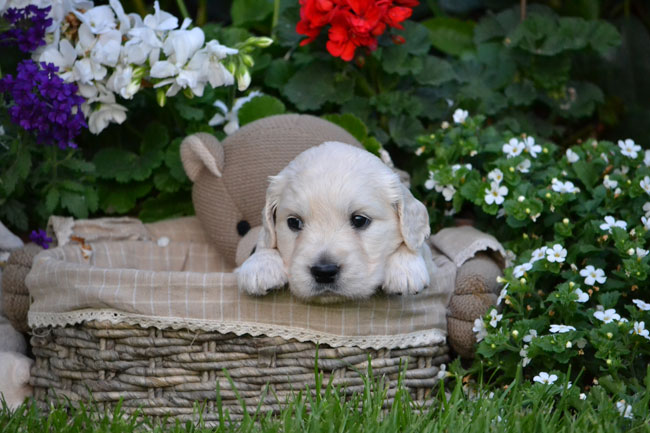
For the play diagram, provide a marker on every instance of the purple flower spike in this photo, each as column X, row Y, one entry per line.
column 41, row 238
column 28, row 26
column 44, row 104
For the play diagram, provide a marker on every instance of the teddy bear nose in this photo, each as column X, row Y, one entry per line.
column 325, row 272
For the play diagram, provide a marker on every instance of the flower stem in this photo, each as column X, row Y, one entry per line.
column 201, row 12
column 182, row 8
column 276, row 17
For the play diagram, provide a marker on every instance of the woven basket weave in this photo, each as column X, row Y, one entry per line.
column 164, row 373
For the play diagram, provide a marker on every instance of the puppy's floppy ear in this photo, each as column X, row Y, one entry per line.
column 267, row 237
column 413, row 219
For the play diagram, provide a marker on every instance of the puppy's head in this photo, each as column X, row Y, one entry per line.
column 335, row 214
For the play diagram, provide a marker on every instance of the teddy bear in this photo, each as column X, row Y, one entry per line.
column 229, row 186
column 14, row 365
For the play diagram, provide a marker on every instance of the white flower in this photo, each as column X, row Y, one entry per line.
column 583, row 396
column 611, row 222
column 143, row 45
column 641, row 253
column 545, row 378
column 180, row 45
column 532, row 148
column 557, row 254
column 495, row 318
column 123, row 82
column 646, row 158
column 524, row 355
column 607, row 316
column 582, row 296
column 99, row 19
column 538, row 254
column 646, row 222
column 510, row 255
column 496, row 193
column 513, row 148
column 230, row 117
column 646, row 208
column 460, row 115
column 479, row 329
column 106, row 50
column 62, row 57
column 629, row 148
column 645, row 184
column 639, row 329
column 608, row 183
column 524, row 166
column 561, row 329
column 456, row 167
column 563, row 187
column 448, row 192
column 216, row 72
column 430, row 182
column 496, row 175
column 160, row 21
column 532, row 333
column 593, row 275
column 641, row 305
column 520, row 270
column 571, row 156
column 624, row 409
column 502, row 294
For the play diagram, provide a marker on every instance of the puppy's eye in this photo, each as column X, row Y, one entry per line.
column 294, row 223
column 359, row 221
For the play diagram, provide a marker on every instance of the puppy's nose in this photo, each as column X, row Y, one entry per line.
column 324, row 273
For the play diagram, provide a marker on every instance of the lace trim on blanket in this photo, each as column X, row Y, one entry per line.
column 399, row 341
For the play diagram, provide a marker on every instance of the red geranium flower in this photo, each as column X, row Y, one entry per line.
column 354, row 23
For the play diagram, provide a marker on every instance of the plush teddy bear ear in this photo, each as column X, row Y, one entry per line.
column 202, row 150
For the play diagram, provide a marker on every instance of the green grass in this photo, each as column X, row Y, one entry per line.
column 521, row 407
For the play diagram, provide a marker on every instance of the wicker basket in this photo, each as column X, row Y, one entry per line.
column 165, row 373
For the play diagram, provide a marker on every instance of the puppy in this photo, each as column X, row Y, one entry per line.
column 338, row 224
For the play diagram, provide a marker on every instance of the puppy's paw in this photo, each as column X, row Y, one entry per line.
column 261, row 273
column 406, row 273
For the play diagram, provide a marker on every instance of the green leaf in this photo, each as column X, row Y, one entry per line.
column 395, row 60
column 52, row 199
column 435, row 71
column 278, row 73
column 451, row 35
column 164, row 181
column 155, row 138
column 74, row 202
column 522, row 93
column 260, row 107
column 188, row 112
column 372, row 145
column 316, row 84
column 586, row 172
column 250, row 11
column 17, row 171
column 79, row 165
column 173, row 161
column 350, row 123
column 13, row 213
column 118, row 164
column 166, row 206
column 285, row 30
column 121, row 198
column 404, row 130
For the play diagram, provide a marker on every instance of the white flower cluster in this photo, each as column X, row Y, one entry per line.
column 107, row 52
column 447, row 191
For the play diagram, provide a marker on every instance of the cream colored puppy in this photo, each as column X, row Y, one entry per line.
column 338, row 224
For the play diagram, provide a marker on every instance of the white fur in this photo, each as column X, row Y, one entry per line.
column 14, row 378
column 324, row 186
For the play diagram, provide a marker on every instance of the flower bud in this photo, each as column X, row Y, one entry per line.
column 521, row 198
column 263, row 41
column 511, row 169
column 571, row 284
column 247, row 59
column 527, row 210
column 522, row 280
column 565, row 221
column 608, row 362
column 630, row 251
column 545, row 150
column 161, row 97
column 610, row 335
column 568, row 345
column 444, row 124
column 515, row 333
column 547, row 195
column 243, row 78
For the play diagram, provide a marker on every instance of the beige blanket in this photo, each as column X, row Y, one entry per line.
column 165, row 275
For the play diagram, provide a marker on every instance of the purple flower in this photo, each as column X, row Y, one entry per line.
column 28, row 26
column 44, row 104
column 41, row 238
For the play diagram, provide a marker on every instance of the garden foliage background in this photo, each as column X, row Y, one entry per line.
column 528, row 119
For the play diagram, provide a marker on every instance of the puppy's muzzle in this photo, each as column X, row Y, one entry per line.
column 325, row 272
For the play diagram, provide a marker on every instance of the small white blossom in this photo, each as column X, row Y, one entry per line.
column 532, row 333
column 448, row 192
column 571, row 156
column 624, row 409
column 495, row 317
column 520, row 270
column 646, row 222
column 524, row 166
column 646, row 208
column 583, row 396
column 513, row 148
column 641, row 305
column 231, row 116
column 593, row 275
column 639, row 329
column 645, row 184
column 611, row 222
column 495, row 194
column 532, row 148
column 629, row 148
column 646, row 158
column 641, row 253
column 430, row 182
column 557, row 254
column 510, row 255
column 561, row 329
column 545, row 378
column 479, row 329
column 502, row 294
column 563, row 187
column 582, row 296
column 538, row 254
column 496, row 175
column 607, row 316
column 460, row 115
column 608, row 183
column 525, row 360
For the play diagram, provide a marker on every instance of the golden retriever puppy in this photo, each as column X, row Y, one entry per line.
column 339, row 224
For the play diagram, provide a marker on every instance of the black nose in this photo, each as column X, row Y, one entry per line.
column 324, row 273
